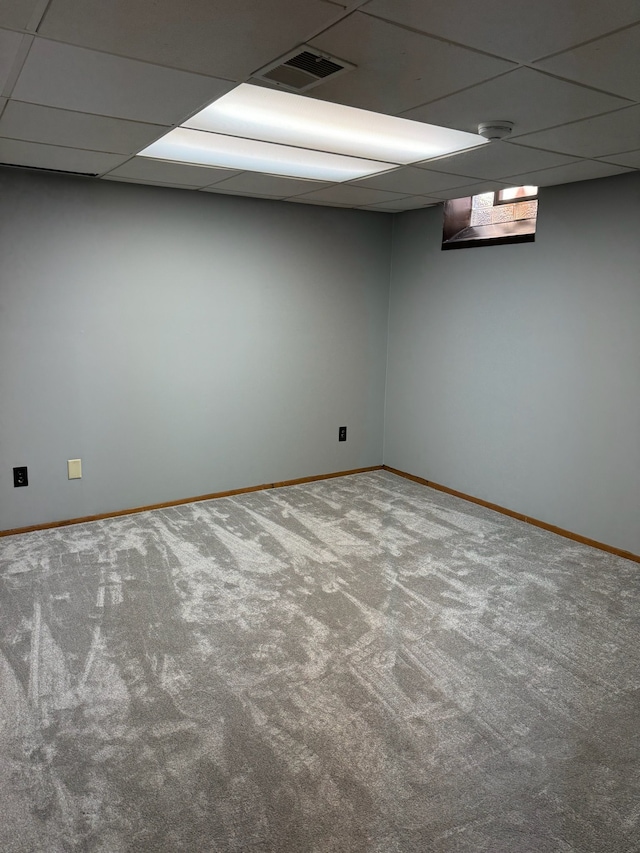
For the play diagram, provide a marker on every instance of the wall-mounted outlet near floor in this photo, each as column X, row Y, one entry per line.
column 342, row 433
column 74, row 469
column 20, row 477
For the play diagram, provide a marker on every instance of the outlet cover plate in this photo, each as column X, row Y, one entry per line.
column 74, row 469
column 20, row 476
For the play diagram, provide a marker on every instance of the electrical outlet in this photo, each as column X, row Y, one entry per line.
column 20, row 477
column 342, row 433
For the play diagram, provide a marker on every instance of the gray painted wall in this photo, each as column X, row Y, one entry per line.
column 181, row 343
column 514, row 371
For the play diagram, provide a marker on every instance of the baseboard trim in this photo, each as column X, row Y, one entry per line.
column 584, row 540
column 230, row 493
column 560, row 531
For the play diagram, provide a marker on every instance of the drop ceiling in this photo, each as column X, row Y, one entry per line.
column 87, row 84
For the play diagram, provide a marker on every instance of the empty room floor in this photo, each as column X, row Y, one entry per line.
column 355, row 665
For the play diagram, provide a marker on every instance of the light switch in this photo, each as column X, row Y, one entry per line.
column 74, row 467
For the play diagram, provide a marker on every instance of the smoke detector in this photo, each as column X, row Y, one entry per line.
column 496, row 129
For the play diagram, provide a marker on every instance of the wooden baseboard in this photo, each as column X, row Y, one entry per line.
column 576, row 537
column 584, row 540
column 132, row 511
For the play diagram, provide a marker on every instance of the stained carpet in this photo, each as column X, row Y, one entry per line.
column 358, row 665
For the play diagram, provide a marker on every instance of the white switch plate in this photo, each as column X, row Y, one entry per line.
column 74, row 467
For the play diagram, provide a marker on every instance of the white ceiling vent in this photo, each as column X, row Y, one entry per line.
column 301, row 69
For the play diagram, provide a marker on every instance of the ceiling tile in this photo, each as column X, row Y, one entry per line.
column 9, row 46
column 219, row 190
column 629, row 158
column 531, row 100
column 76, row 130
column 496, row 160
column 254, row 183
column 73, row 78
column 16, row 14
column 403, row 204
column 163, row 171
column 300, row 199
column 412, row 181
column 613, row 133
column 583, row 170
column 147, row 183
column 18, row 153
column 611, row 63
column 521, row 30
column 397, row 69
column 472, row 189
column 229, row 40
column 348, row 194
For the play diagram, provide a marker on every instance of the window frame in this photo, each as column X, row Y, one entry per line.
column 497, row 200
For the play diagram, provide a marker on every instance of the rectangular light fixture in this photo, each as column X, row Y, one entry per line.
column 267, row 130
column 183, row 145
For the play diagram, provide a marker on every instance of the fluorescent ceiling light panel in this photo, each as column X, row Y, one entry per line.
column 268, row 130
column 275, row 116
column 184, row 145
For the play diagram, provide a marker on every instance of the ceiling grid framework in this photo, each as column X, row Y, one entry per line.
column 85, row 85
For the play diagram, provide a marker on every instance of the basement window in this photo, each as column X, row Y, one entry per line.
column 515, row 194
column 508, row 215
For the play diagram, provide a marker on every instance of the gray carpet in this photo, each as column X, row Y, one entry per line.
column 358, row 665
